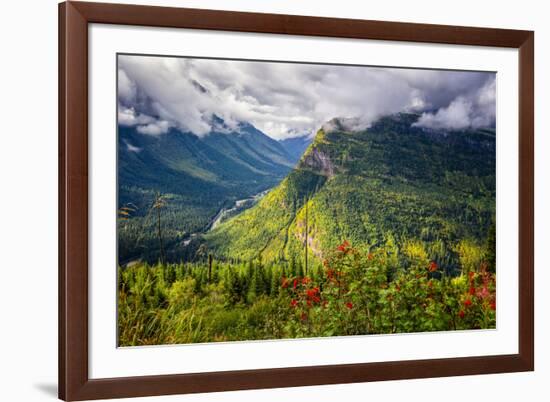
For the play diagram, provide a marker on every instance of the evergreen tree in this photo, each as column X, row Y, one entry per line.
column 275, row 282
column 261, row 281
column 292, row 268
column 170, row 274
column 299, row 269
column 180, row 271
column 252, row 288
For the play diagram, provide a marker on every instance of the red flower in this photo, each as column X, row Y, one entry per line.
column 293, row 303
column 295, row 283
column 344, row 247
column 313, row 296
column 471, row 275
column 483, row 293
column 493, row 305
column 472, row 291
column 467, row 303
column 461, row 313
column 349, row 305
column 432, row 267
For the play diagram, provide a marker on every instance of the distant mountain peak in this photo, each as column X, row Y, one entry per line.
column 296, row 146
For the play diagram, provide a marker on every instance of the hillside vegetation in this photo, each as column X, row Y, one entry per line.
column 385, row 230
column 389, row 184
column 197, row 176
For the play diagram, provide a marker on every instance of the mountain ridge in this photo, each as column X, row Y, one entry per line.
column 390, row 181
column 196, row 175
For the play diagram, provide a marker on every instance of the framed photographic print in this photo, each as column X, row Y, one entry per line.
column 259, row 200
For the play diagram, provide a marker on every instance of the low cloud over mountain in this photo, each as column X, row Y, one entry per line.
column 286, row 100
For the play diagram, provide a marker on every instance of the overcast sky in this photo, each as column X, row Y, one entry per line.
column 287, row 100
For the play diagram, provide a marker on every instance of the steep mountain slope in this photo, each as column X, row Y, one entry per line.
column 389, row 184
column 196, row 176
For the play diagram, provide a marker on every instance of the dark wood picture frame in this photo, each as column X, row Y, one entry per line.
column 74, row 382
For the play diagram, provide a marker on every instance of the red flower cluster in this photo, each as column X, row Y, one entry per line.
column 433, row 266
column 349, row 305
column 461, row 313
column 293, row 303
column 295, row 282
column 467, row 303
column 482, row 293
column 344, row 247
column 313, row 296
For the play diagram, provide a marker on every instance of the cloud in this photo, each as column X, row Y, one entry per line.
column 475, row 110
column 128, row 117
column 132, row 148
column 455, row 116
column 127, row 89
column 156, row 128
column 286, row 99
column 144, row 124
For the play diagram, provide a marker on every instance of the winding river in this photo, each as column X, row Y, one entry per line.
column 227, row 212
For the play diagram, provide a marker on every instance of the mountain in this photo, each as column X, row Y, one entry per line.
column 296, row 146
column 391, row 184
column 196, row 176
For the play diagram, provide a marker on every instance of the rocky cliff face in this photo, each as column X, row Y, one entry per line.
column 319, row 162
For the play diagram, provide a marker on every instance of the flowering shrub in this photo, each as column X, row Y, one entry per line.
column 354, row 291
column 361, row 292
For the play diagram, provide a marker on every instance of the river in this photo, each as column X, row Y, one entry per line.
column 227, row 212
